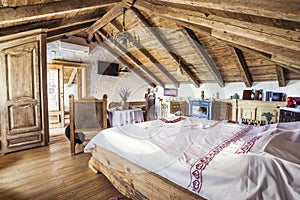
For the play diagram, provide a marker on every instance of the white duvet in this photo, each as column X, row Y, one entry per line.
column 213, row 159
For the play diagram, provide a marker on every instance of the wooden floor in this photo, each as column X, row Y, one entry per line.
column 51, row 173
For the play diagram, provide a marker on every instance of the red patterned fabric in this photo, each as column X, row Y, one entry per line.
column 247, row 145
column 198, row 167
column 172, row 121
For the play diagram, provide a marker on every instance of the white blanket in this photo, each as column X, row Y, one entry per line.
column 213, row 159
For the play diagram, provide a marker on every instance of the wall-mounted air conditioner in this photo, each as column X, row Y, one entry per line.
column 73, row 47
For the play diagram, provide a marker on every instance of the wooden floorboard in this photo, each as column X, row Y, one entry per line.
column 51, row 173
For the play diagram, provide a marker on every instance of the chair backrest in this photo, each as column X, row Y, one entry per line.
column 86, row 115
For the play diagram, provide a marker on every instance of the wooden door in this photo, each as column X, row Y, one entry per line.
column 55, row 95
column 23, row 119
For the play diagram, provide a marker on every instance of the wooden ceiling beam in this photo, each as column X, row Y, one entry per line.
column 157, row 64
column 297, row 71
column 283, row 47
column 58, row 25
column 50, row 11
column 201, row 51
column 203, row 31
column 147, row 25
column 67, row 31
column 72, row 77
column 269, row 9
column 16, row 3
column 281, row 55
column 128, row 3
column 280, row 76
column 113, row 13
column 122, row 60
column 242, row 66
column 277, row 36
column 124, row 52
column 264, row 56
column 151, row 58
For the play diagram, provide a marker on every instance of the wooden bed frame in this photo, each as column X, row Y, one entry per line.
column 131, row 103
column 86, row 115
column 130, row 179
column 134, row 181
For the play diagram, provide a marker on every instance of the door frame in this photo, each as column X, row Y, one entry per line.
column 77, row 73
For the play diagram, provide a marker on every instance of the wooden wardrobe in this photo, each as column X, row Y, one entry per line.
column 23, row 100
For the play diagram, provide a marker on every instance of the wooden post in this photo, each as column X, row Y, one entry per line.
column 72, row 125
column 104, row 118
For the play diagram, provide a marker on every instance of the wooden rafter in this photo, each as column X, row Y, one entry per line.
column 178, row 60
column 283, row 48
column 16, row 3
column 271, row 8
column 280, row 76
column 199, row 48
column 264, row 55
column 68, row 27
column 123, row 61
column 207, row 31
column 72, row 77
column 57, row 26
column 56, row 34
column 297, row 71
column 242, row 66
column 128, row 3
column 249, row 45
column 276, row 36
column 113, row 13
column 124, row 52
column 152, row 59
column 279, row 54
column 50, row 11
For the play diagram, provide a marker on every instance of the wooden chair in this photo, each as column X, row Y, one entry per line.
column 86, row 115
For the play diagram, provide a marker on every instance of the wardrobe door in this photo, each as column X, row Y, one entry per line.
column 23, row 121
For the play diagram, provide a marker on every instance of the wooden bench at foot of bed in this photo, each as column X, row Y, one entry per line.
column 134, row 181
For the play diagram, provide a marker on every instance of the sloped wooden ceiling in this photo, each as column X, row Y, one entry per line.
column 180, row 41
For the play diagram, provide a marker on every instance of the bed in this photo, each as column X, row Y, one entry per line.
column 192, row 158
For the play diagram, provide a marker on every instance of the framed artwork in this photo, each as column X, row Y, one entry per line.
column 171, row 92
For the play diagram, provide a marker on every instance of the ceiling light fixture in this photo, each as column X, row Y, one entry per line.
column 125, row 38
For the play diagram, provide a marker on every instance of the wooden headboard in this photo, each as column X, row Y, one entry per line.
column 86, row 115
column 131, row 103
column 182, row 106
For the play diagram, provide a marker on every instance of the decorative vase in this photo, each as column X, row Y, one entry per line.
column 202, row 95
column 124, row 104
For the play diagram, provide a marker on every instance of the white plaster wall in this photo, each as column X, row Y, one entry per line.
column 213, row 90
column 98, row 85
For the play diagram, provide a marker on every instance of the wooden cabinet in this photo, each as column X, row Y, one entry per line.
column 253, row 110
column 23, row 101
column 182, row 106
column 289, row 114
column 225, row 109
column 201, row 109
